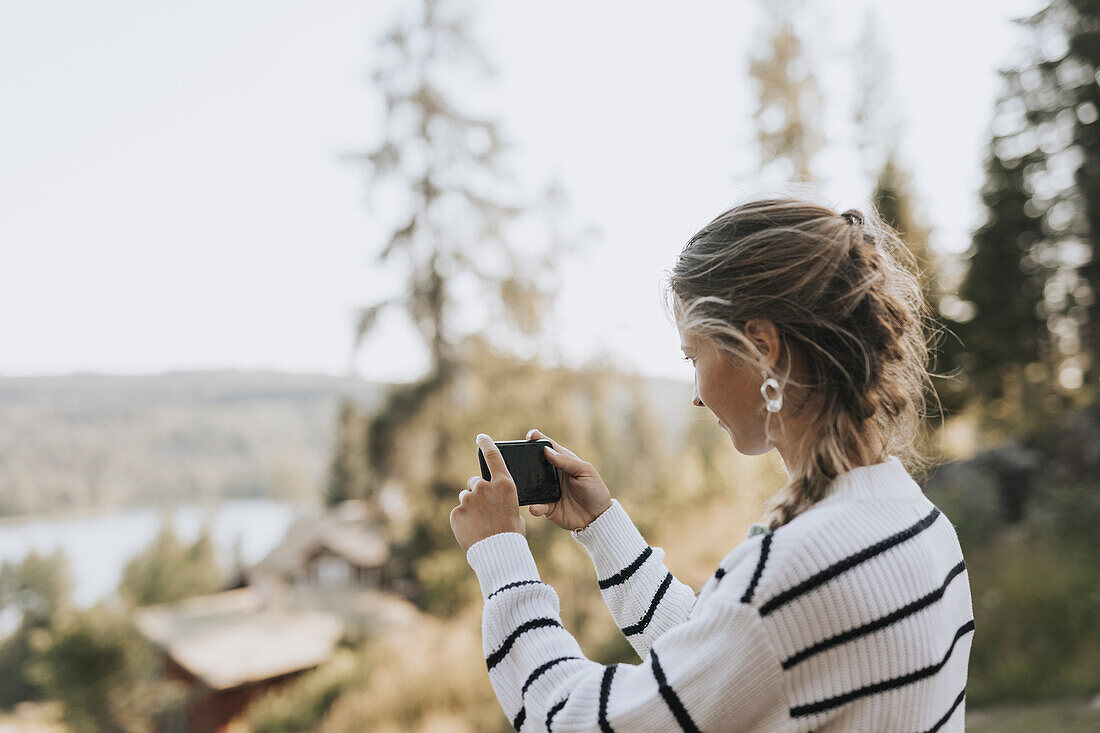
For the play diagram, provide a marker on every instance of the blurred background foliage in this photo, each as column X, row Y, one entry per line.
column 1016, row 330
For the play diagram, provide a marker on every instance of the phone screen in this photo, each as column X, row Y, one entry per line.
column 536, row 478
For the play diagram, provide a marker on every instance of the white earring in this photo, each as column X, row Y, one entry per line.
column 771, row 404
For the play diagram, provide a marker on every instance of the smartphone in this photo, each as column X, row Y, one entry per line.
column 536, row 478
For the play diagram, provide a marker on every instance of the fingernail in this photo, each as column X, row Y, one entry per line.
column 480, row 436
column 550, row 449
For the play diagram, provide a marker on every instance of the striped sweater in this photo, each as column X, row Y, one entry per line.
column 854, row 616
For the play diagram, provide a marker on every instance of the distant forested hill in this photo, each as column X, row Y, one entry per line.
column 89, row 441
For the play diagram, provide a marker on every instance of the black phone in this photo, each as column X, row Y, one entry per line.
column 536, row 478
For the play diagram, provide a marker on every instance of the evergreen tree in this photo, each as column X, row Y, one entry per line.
column 894, row 199
column 877, row 138
column 39, row 590
column 877, row 127
column 1005, row 334
column 1056, row 86
column 15, row 652
column 106, row 676
column 452, row 237
column 875, row 118
column 168, row 570
column 1032, row 279
column 348, row 471
column 81, row 664
column 1084, row 52
column 788, row 98
column 203, row 573
column 441, row 158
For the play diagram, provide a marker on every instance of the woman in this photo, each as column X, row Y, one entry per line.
column 849, row 607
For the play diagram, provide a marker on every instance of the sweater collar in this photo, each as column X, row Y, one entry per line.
column 888, row 481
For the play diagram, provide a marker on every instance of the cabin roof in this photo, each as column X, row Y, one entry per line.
column 230, row 638
column 346, row 532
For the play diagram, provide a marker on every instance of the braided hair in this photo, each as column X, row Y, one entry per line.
column 844, row 293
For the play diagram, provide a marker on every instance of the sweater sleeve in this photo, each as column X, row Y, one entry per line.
column 643, row 595
column 716, row 670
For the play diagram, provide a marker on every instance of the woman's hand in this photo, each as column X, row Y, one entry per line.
column 583, row 493
column 486, row 508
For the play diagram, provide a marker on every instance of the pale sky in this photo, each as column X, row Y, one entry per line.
column 172, row 194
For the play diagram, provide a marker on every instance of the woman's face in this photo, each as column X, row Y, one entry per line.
column 730, row 389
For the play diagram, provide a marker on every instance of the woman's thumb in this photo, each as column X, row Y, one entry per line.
column 561, row 460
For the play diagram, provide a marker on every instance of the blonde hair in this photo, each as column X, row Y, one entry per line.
column 842, row 291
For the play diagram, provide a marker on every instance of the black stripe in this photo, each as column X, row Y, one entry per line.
column 512, row 585
column 947, row 716
column 759, row 568
column 848, row 563
column 554, row 711
column 883, row 686
column 670, row 697
column 627, row 571
column 538, row 672
column 517, row 722
column 640, row 626
column 494, row 658
column 879, row 623
column 605, row 690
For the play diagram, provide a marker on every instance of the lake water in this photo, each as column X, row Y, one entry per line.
column 98, row 547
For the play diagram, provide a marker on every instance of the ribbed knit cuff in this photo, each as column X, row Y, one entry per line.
column 501, row 558
column 612, row 540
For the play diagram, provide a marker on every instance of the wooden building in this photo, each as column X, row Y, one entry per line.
column 326, row 581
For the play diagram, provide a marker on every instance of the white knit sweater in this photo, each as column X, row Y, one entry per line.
column 854, row 616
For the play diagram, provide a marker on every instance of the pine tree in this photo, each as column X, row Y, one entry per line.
column 38, row 590
column 446, row 164
column 81, row 664
column 1005, row 334
column 1084, row 51
column 455, row 228
column 1055, row 86
column 168, row 570
column 1032, row 279
column 877, row 130
column 788, row 99
column 106, row 677
column 1006, row 329
column 348, row 471
column 875, row 119
column 894, row 199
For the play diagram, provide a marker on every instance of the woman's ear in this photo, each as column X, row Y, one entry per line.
column 765, row 336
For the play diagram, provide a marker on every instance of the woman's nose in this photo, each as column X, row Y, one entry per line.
column 695, row 394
